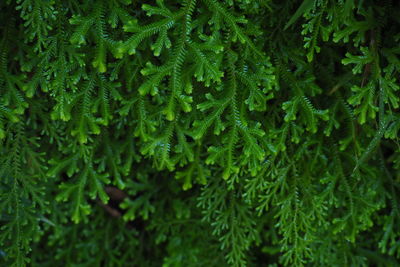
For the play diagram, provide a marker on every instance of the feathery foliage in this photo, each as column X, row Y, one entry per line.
column 199, row 133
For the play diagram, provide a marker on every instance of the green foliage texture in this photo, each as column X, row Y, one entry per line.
column 243, row 132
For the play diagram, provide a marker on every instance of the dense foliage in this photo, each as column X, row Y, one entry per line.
column 199, row 133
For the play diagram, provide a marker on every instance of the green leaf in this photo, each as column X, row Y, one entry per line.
column 305, row 7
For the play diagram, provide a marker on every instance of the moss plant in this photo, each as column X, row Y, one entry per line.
column 199, row 133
